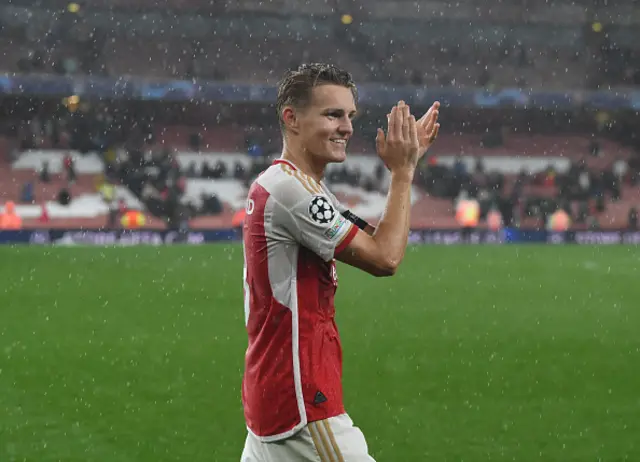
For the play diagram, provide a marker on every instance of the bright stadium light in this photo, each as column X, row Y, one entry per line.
column 346, row 19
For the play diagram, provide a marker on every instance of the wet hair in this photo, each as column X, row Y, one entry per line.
column 296, row 85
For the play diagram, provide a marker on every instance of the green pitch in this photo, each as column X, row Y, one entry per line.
column 468, row 354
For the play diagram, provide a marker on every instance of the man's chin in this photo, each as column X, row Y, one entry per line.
column 331, row 157
column 337, row 157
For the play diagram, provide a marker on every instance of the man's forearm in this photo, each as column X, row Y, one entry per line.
column 392, row 231
column 369, row 229
column 359, row 222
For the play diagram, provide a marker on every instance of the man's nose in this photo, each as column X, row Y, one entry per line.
column 346, row 127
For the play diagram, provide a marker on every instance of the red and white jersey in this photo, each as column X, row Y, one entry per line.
column 293, row 365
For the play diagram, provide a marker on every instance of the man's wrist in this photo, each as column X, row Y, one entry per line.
column 403, row 174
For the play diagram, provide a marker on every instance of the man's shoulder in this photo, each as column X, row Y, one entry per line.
column 287, row 185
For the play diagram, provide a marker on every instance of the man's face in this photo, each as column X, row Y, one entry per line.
column 324, row 126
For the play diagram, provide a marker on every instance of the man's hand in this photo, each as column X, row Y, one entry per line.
column 399, row 150
column 428, row 127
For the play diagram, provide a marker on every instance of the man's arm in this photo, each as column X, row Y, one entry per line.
column 369, row 229
column 381, row 252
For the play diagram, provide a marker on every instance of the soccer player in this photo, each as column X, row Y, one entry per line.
column 294, row 230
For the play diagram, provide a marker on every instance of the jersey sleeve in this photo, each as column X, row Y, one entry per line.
column 317, row 224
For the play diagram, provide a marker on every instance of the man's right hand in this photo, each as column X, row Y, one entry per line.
column 399, row 150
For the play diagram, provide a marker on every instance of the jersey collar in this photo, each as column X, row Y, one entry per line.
column 286, row 162
column 292, row 165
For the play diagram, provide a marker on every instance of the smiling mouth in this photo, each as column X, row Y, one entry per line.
column 340, row 141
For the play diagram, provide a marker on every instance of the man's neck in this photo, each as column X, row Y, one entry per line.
column 303, row 163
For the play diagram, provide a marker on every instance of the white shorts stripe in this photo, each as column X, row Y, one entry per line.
column 326, row 445
column 319, row 443
column 332, row 440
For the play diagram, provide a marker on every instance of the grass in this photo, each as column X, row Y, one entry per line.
column 495, row 353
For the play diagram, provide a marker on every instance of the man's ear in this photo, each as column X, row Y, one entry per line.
column 290, row 119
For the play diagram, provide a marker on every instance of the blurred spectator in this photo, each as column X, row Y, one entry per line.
column 69, row 166
column 195, row 139
column 108, row 190
column 559, row 220
column 133, row 219
column 64, row 197
column 45, row 176
column 550, row 177
column 467, row 214
column 633, row 219
column 9, row 219
column 494, row 219
column 620, row 169
column 44, row 215
column 27, row 195
column 593, row 223
column 210, row 204
column 112, row 216
column 583, row 211
column 459, row 167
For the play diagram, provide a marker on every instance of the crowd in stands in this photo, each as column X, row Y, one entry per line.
column 135, row 156
column 591, row 183
column 583, row 192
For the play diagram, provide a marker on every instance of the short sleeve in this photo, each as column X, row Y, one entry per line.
column 316, row 224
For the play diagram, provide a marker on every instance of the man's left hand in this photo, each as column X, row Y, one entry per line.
column 428, row 127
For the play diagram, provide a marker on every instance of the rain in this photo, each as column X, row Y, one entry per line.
column 255, row 230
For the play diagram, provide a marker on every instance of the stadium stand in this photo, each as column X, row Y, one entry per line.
column 532, row 47
column 104, row 158
column 217, row 179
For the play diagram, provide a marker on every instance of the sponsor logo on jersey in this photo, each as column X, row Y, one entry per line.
column 335, row 228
